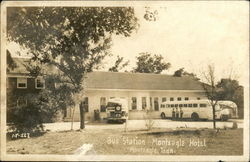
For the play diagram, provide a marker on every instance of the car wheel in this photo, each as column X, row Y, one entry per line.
column 195, row 117
column 163, row 116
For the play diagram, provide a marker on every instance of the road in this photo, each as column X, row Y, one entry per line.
column 140, row 124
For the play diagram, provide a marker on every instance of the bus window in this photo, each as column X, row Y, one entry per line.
column 180, row 105
column 184, row 105
column 203, row 105
column 190, row 105
column 172, row 105
column 176, row 105
column 195, row 105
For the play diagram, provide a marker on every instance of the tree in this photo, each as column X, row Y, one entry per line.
column 119, row 65
column 211, row 91
column 10, row 62
column 181, row 72
column 146, row 63
column 231, row 90
column 73, row 39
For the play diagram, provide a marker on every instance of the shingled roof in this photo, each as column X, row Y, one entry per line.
column 140, row 81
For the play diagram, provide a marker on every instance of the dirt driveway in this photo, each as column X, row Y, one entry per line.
column 141, row 124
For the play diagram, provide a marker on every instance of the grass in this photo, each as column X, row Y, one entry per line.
column 115, row 142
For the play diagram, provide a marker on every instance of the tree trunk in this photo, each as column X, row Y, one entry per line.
column 214, row 122
column 82, row 117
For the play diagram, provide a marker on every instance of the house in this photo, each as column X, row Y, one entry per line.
column 142, row 91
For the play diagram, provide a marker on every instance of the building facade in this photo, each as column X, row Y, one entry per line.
column 143, row 92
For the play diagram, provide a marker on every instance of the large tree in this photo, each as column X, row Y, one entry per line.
column 73, row 39
column 148, row 63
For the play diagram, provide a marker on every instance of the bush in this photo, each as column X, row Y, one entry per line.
column 25, row 119
column 42, row 107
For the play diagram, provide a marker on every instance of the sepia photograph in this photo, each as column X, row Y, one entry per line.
column 125, row 81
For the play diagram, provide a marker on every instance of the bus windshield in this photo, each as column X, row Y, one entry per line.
column 112, row 104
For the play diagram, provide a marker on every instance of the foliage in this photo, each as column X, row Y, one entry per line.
column 10, row 62
column 73, row 39
column 150, row 15
column 231, row 90
column 181, row 72
column 146, row 63
column 119, row 65
column 40, row 108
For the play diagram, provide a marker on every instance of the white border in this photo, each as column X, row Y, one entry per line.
column 5, row 156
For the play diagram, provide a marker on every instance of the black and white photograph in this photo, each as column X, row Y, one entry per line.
column 125, row 81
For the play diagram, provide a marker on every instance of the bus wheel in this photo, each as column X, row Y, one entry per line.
column 163, row 116
column 195, row 117
column 224, row 117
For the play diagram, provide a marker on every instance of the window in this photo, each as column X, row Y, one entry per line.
column 190, row 105
column 143, row 103
column 179, row 98
column 21, row 82
column 164, row 99
column 102, row 104
column 86, row 104
column 186, row 98
column 40, row 83
column 180, row 105
column 184, row 105
column 176, row 105
column 171, row 98
column 162, row 106
column 195, row 105
column 134, row 103
column 198, row 98
column 203, row 105
column 172, row 105
column 112, row 97
column 156, row 104
column 21, row 101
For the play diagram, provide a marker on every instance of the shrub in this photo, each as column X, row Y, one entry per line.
column 25, row 119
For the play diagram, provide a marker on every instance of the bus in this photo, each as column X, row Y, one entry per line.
column 231, row 106
column 117, row 110
column 193, row 109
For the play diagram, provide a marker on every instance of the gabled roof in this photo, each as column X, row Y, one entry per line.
column 140, row 81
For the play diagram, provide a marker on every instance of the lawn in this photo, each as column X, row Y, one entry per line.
column 141, row 142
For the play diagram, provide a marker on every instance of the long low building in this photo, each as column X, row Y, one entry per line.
column 142, row 91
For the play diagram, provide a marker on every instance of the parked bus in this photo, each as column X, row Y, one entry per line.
column 194, row 109
column 231, row 106
column 117, row 110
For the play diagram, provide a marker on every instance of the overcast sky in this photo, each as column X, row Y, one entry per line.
column 192, row 35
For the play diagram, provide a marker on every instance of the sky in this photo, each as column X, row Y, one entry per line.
column 192, row 35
